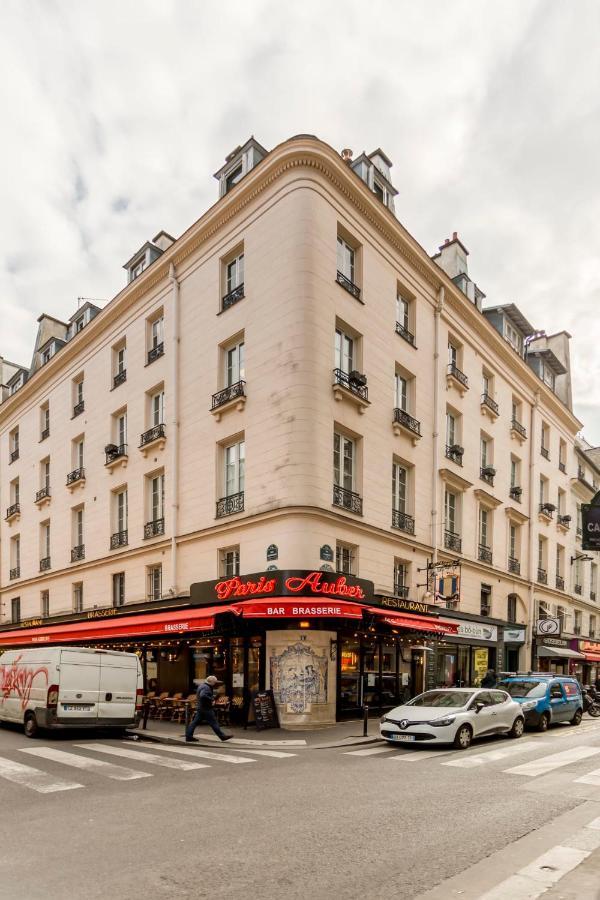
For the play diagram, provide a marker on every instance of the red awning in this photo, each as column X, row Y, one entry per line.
column 163, row 624
column 592, row 657
column 284, row 608
column 416, row 623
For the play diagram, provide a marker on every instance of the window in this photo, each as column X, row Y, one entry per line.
column 485, row 601
column 346, row 260
column 47, row 354
column 118, row 589
column 484, row 527
column 513, row 541
column 592, row 628
column 15, row 610
column 578, row 622
column 119, row 428
column 45, row 539
column 119, row 363
column 154, row 575
column 485, row 451
column 559, row 560
column 14, row 492
column 44, row 421
column 15, row 556
column 543, row 490
column 157, row 497
column 78, row 452
column 515, row 475
column 45, row 604
column 513, row 337
column 13, row 444
column 344, row 352
column 234, row 274
column 516, row 410
column 399, row 488
column 157, row 408
column 548, row 376
column 235, row 462
column 78, row 597
column 344, row 455
column 121, row 510
column 450, row 507
column 229, row 562
column 235, row 364
column 561, row 615
column 545, row 445
column 345, row 558
column 403, row 312
column 45, row 474
column 78, row 539
column 560, row 502
column 234, row 177
column 452, row 354
column 593, row 581
column 401, row 580
column 578, row 575
column 401, row 393
column 511, row 608
column 156, row 337
column 487, row 384
column 541, row 554
column 138, row 268
column 78, row 401
column 562, row 455
column 451, row 430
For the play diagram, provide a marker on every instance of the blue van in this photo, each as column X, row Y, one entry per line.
column 545, row 698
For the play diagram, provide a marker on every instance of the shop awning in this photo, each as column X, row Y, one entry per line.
column 284, row 608
column 416, row 623
column 164, row 624
column 563, row 652
column 592, row 657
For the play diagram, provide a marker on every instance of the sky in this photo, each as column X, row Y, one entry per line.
column 116, row 114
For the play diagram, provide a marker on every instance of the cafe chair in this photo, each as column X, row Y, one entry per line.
column 222, row 706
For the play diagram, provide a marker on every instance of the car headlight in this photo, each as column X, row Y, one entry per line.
column 383, row 720
column 530, row 704
column 441, row 723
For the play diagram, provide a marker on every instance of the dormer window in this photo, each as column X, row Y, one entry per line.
column 237, row 164
column 233, row 178
column 48, row 352
column 513, row 337
column 18, row 383
column 138, row 269
column 548, row 376
column 78, row 324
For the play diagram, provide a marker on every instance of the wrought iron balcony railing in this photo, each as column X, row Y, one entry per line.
column 45, row 433
column 233, row 297
column 547, row 509
column 576, row 629
column 452, row 541
column 119, row 378
column 44, row 564
column 486, row 473
column 13, row 510
column 14, row 455
column 455, row 453
column 153, row 434
column 15, row 573
column 354, row 382
column 401, row 590
column 405, row 333
column 560, row 583
column 403, row 522
column 520, row 429
column 78, row 408
column 515, row 493
column 458, row 375
column 562, row 466
column 229, row 393
column 490, row 403
column 227, row 506
column 545, row 452
column 578, row 589
column 156, row 352
column 347, row 499
column 114, row 452
column 119, row 539
column 592, row 597
column 485, row 554
column 565, row 521
column 78, row 552
column 408, row 421
column 542, row 576
column 154, row 528
column 42, row 494
column 76, row 475
column 348, row 285
column 514, row 565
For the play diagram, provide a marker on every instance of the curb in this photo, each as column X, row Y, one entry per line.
column 156, row 739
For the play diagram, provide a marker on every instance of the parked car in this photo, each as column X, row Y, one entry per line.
column 69, row 687
column 545, row 699
column 453, row 716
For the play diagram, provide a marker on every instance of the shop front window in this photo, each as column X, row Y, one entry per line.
column 446, row 667
column 254, row 651
column 388, row 672
column 349, row 673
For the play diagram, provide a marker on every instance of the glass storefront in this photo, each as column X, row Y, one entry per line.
column 462, row 666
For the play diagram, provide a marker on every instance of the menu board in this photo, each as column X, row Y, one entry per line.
column 265, row 711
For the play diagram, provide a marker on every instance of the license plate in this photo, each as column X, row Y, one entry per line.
column 69, row 706
column 403, row 737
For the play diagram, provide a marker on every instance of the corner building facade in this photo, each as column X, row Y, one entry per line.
column 292, row 386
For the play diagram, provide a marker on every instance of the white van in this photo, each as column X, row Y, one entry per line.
column 69, row 687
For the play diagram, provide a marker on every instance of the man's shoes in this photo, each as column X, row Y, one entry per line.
column 227, row 737
column 192, row 740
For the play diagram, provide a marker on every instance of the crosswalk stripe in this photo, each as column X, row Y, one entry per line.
column 554, row 761
column 369, row 751
column 34, row 778
column 274, row 754
column 142, row 757
column 119, row 773
column 416, row 755
column 205, row 754
column 469, row 762
column 590, row 778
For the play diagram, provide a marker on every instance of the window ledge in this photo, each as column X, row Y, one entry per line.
column 342, row 393
column 80, row 483
column 43, row 501
column 453, row 382
column 400, row 429
column 235, row 403
column 14, row 518
column 157, row 444
column 118, row 462
column 488, row 411
column 516, row 435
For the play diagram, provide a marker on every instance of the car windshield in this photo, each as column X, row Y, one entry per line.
column 533, row 689
column 451, row 699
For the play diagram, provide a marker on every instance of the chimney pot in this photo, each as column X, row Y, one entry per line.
column 447, row 241
column 346, row 155
column 455, row 235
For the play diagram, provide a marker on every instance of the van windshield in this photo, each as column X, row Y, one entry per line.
column 454, row 699
column 533, row 689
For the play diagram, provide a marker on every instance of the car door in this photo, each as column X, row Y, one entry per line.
column 504, row 708
column 484, row 721
column 558, row 705
column 573, row 699
column 118, row 683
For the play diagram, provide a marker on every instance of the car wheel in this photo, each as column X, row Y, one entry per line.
column 518, row 728
column 576, row 720
column 30, row 725
column 463, row 738
column 543, row 723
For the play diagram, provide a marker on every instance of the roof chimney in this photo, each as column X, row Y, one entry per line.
column 346, row 155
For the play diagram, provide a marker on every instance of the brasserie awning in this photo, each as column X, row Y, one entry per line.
column 416, row 623
column 562, row 652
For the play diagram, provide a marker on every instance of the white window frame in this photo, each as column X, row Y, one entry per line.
column 346, row 259
column 344, row 461
column 234, row 273
column 400, row 485
column 451, row 512
column 344, row 351
column 234, row 468
column 234, row 363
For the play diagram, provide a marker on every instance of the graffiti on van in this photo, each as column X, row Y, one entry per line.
column 18, row 679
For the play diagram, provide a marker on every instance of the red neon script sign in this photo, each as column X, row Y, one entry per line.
column 235, row 587
column 19, row 679
column 304, row 584
column 313, row 583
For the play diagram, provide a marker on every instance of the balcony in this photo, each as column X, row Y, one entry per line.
column 155, row 353
column 348, row 285
column 233, row 396
column 15, row 573
column 452, row 541
column 593, row 596
column 45, row 434
column 44, row 564
column 13, row 456
column 351, row 385
column 456, row 378
column 228, row 506
column 401, row 590
column 404, row 422
column 403, row 522
column 577, row 629
column 545, row 452
column 485, row 554
column 489, row 406
column 116, row 455
column 78, row 553
column 563, row 467
column 13, row 512
column 42, row 496
column 516, row 493
column 155, row 528
column 518, row 431
column 560, row 583
column 542, row 576
column 578, row 589
column 563, row 522
column 455, row 453
column 232, row 297
column 514, row 565
column 349, row 500
column 119, row 539
column 546, row 511
column 487, row 473
column 78, row 409
column 153, row 439
column 76, row 478
column 119, row 378
column 405, row 333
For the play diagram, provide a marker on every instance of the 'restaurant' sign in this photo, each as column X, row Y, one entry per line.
column 406, row 605
column 590, row 521
column 318, row 586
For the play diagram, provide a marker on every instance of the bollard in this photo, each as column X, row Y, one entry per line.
column 365, row 721
column 145, row 715
column 187, row 715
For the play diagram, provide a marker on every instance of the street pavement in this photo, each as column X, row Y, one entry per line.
column 87, row 816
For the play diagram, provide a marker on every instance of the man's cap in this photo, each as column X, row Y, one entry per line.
column 212, row 680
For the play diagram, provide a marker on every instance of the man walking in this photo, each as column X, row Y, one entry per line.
column 204, row 711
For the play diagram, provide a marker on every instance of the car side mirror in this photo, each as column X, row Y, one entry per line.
column 479, row 704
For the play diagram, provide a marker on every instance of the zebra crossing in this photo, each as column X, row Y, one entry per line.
column 89, row 760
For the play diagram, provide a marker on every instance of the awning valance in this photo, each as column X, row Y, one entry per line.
column 415, row 623
column 284, row 608
column 563, row 652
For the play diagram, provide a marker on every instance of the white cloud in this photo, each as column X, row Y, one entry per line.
column 117, row 113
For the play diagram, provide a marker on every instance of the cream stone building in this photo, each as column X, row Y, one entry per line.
column 295, row 385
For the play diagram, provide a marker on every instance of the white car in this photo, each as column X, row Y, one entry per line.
column 453, row 716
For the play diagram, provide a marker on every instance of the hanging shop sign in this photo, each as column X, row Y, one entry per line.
column 326, row 553
column 553, row 642
column 443, row 581
column 514, row 635
column 291, row 583
column 478, row 631
column 590, row 522
column 272, row 552
column 547, row 626
column 405, row 604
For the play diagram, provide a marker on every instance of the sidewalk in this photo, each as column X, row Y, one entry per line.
column 340, row 735
column 583, row 883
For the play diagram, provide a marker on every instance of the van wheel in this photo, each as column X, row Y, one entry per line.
column 518, row 728
column 31, row 726
column 463, row 738
column 543, row 723
column 576, row 720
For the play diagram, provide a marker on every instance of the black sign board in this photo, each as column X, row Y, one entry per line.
column 272, row 552
column 326, row 553
column 552, row 642
column 265, row 711
column 590, row 521
column 287, row 583
column 404, row 604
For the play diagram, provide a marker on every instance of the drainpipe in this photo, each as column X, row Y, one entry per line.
column 531, row 568
column 436, row 424
column 174, row 430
